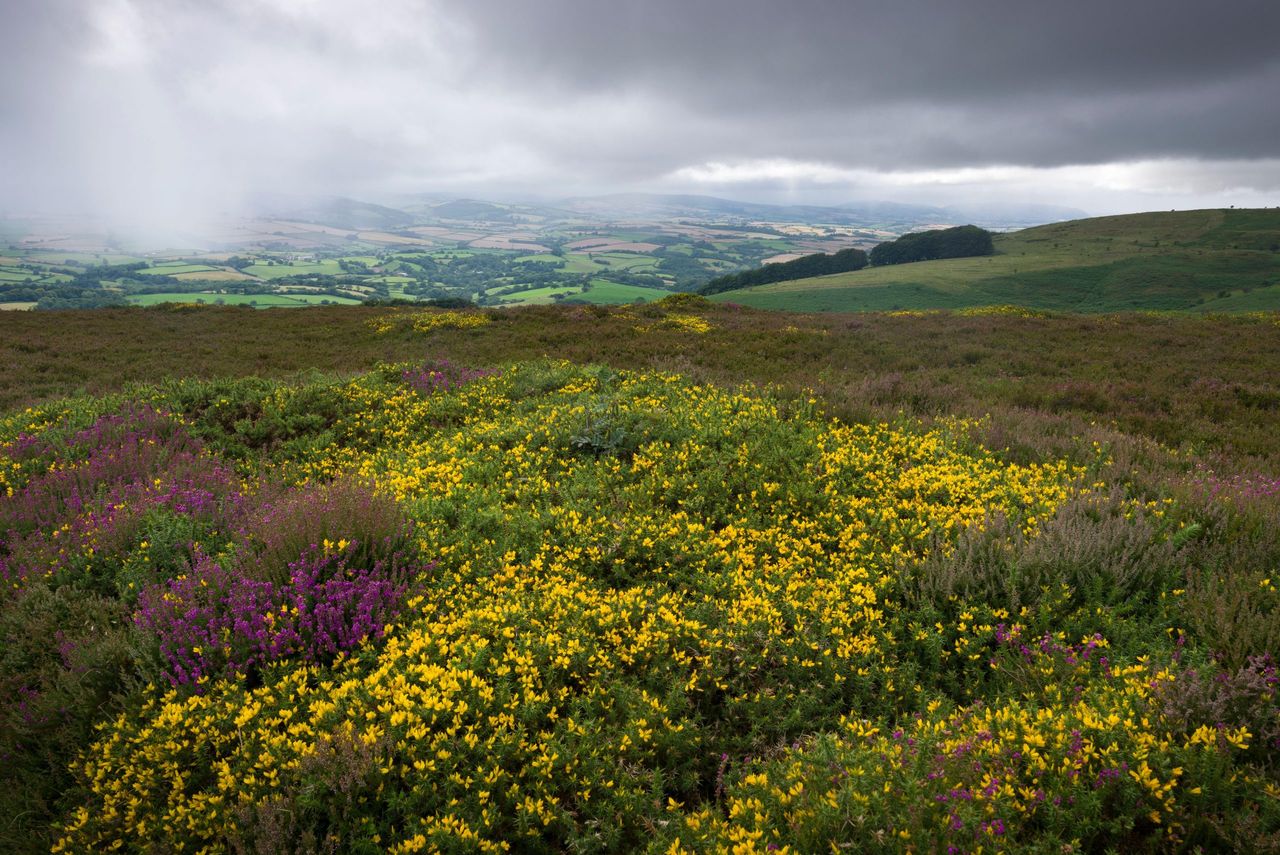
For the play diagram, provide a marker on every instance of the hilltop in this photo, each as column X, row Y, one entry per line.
column 1208, row 260
column 387, row 579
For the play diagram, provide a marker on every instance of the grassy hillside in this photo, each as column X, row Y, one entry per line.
column 673, row 577
column 1212, row 260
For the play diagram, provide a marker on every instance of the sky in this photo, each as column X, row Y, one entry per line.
column 159, row 110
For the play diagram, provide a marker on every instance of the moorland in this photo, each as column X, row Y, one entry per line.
column 678, row 577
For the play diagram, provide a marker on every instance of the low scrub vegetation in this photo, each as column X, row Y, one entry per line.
column 515, row 603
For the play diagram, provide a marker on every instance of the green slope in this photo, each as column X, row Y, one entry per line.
column 1211, row 260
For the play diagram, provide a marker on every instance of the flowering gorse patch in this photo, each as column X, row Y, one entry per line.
column 682, row 323
column 570, row 608
column 428, row 320
column 1002, row 310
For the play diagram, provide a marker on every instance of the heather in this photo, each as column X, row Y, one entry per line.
column 446, row 604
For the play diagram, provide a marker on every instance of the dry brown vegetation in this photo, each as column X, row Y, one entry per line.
column 1207, row 386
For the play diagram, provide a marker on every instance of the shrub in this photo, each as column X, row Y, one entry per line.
column 290, row 523
column 1102, row 549
column 212, row 620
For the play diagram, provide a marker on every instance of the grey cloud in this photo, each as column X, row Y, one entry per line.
column 810, row 51
column 198, row 102
column 1100, row 80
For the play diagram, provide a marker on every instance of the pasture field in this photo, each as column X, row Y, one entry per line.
column 214, row 275
column 605, row 292
column 602, row 292
column 677, row 577
column 17, row 274
column 54, row 256
column 577, row 262
column 539, row 296
column 1176, row 261
column 627, row 261
column 280, row 271
column 177, row 268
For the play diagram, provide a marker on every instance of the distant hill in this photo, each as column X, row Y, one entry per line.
column 992, row 214
column 1013, row 214
column 471, row 209
column 873, row 213
column 403, row 210
column 658, row 206
column 335, row 211
column 1208, row 260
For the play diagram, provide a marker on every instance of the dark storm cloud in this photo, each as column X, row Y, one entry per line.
column 1054, row 82
column 158, row 109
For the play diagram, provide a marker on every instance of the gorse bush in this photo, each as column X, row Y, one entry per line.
column 557, row 608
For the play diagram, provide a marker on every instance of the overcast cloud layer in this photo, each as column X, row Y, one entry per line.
column 156, row 109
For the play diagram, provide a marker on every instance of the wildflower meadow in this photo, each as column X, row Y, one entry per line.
column 545, row 606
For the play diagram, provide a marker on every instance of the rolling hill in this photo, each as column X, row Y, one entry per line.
column 1208, row 260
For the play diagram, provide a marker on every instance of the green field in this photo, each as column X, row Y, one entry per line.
column 539, row 296
column 1213, row 260
column 176, row 268
column 14, row 274
column 262, row 301
column 626, row 260
column 602, row 292
column 280, row 271
column 611, row 293
column 578, row 262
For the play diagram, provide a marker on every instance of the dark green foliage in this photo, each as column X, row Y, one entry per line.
column 450, row 303
column 65, row 653
column 818, row 264
column 959, row 242
column 239, row 418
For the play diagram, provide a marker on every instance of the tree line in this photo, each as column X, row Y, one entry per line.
column 818, row 264
column 959, row 242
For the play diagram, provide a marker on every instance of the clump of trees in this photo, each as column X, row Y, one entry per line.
column 959, row 242
column 818, row 264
